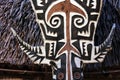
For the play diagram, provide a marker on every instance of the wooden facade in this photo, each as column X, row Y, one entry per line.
column 15, row 65
column 44, row 73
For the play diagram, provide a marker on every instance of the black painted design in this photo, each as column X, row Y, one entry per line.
column 68, row 29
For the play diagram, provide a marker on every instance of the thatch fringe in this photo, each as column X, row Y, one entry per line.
column 19, row 15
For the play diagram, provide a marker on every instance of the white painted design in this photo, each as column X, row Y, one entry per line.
column 94, row 4
column 77, row 62
column 58, row 44
column 39, row 3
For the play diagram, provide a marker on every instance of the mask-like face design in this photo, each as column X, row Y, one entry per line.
column 68, row 29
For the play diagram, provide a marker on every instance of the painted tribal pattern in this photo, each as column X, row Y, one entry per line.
column 68, row 28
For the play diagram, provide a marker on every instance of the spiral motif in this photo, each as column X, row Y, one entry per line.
column 55, row 21
column 80, row 21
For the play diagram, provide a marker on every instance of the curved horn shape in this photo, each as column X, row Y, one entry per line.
column 35, row 53
column 99, row 52
column 105, row 46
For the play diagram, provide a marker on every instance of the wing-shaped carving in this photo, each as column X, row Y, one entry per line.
column 35, row 53
column 100, row 51
column 105, row 46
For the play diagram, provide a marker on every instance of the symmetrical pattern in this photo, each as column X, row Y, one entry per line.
column 68, row 28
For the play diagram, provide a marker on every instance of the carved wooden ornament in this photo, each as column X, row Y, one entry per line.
column 68, row 28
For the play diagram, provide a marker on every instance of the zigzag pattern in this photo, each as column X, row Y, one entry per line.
column 33, row 52
column 107, row 46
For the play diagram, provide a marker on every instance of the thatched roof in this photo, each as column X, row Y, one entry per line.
column 19, row 15
column 110, row 14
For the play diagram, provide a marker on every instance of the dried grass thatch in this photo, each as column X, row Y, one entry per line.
column 110, row 14
column 19, row 15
